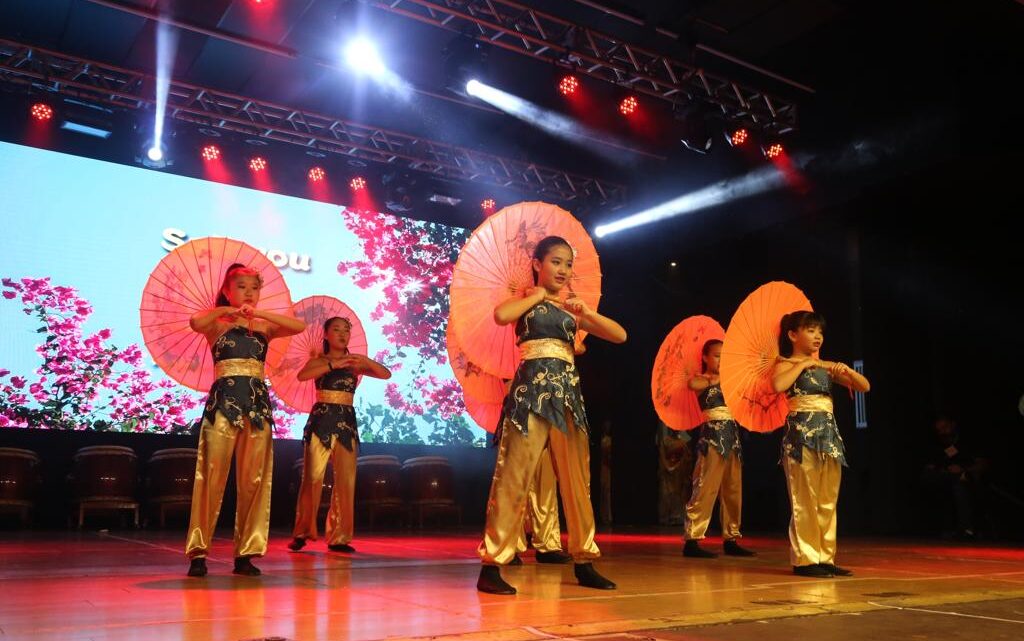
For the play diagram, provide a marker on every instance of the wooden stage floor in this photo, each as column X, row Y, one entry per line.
column 122, row 585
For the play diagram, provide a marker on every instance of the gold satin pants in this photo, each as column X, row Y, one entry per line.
column 721, row 477
column 340, row 516
column 813, row 494
column 516, row 469
column 542, row 502
column 254, row 470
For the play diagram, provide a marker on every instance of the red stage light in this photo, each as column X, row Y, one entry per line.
column 358, row 183
column 488, row 205
column 316, row 174
column 628, row 105
column 210, row 152
column 774, row 151
column 568, row 85
column 41, row 111
column 739, row 137
column 257, row 163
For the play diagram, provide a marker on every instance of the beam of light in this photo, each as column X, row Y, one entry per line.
column 793, row 171
column 362, row 56
column 554, row 123
column 166, row 44
column 757, row 182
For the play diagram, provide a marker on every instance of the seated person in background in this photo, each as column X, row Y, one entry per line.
column 955, row 472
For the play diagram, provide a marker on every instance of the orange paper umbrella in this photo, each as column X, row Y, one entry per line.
column 186, row 281
column 495, row 264
column 475, row 382
column 678, row 360
column 486, row 414
column 482, row 393
column 314, row 310
column 749, row 354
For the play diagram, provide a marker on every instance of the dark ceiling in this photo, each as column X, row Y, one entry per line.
column 870, row 65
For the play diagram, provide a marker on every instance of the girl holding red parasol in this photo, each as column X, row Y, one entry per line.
column 719, row 468
column 237, row 419
column 484, row 394
column 687, row 394
column 544, row 415
column 331, row 434
column 812, row 449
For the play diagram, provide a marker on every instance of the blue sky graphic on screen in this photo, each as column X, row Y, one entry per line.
column 76, row 259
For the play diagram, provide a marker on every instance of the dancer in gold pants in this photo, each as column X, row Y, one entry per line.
column 813, row 455
column 718, row 472
column 544, row 413
column 332, row 435
column 237, row 421
column 542, row 506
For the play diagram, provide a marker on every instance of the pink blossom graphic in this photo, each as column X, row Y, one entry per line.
column 85, row 383
column 411, row 262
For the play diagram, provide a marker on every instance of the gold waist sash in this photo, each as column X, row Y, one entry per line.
column 546, row 348
column 334, row 397
column 239, row 367
column 812, row 403
column 717, row 414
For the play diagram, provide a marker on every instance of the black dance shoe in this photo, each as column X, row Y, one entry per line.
column 554, row 556
column 589, row 578
column 244, row 567
column 197, row 567
column 341, row 547
column 835, row 569
column 732, row 548
column 490, row 581
column 693, row 549
column 812, row 571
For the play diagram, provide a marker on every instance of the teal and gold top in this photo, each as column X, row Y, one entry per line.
column 719, row 430
column 810, row 422
column 546, row 382
column 239, row 391
column 333, row 413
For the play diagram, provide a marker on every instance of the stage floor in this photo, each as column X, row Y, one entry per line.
column 131, row 585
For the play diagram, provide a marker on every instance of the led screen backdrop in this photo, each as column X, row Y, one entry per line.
column 81, row 236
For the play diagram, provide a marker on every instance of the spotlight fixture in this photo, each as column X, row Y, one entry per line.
column 695, row 127
column 210, row 153
column 465, row 58
column 41, row 111
column 628, row 105
column 737, row 137
column 568, row 85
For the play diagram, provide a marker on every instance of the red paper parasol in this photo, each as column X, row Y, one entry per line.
column 678, row 360
column 483, row 394
column 314, row 310
column 186, row 281
column 495, row 264
column 749, row 354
